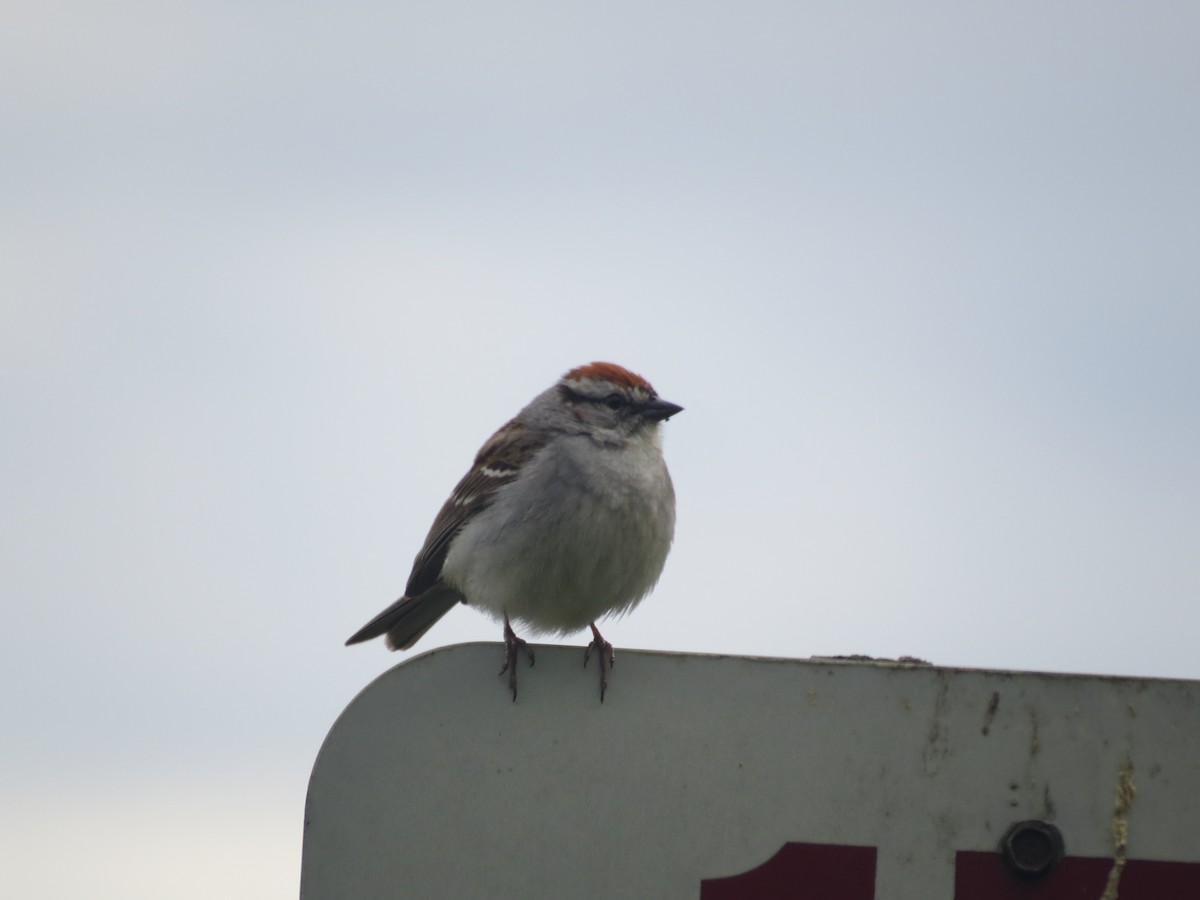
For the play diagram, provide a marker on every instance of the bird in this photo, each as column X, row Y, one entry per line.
column 566, row 516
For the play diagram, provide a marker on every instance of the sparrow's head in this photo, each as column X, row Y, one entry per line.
column 609, row 401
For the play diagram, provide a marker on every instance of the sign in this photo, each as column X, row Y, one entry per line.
column 725, row 777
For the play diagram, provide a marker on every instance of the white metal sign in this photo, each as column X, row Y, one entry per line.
column 724, row 777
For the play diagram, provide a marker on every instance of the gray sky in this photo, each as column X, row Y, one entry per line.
column 925, row 277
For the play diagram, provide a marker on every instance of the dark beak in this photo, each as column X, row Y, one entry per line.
column 660, row 410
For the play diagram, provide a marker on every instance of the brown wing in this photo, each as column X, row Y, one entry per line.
column 498, row 463
column 425, row 599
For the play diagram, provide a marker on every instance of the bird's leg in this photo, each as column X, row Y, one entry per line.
column 512, row 646
column 605, row 654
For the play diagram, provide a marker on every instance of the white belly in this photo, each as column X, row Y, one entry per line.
column 554, row 553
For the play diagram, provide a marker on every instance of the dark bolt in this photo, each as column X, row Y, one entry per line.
column 1032, row 848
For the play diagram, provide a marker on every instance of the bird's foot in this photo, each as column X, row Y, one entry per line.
column 512, row 646
column 605, row 654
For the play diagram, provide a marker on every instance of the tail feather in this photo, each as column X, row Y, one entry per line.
column 406, row 620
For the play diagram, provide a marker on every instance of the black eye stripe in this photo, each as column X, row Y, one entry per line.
column 613, row 399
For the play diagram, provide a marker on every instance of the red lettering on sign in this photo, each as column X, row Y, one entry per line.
column 983, row 876
column 802, row 872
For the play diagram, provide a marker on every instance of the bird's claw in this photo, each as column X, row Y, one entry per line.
column 513, row 645
column 606, row 656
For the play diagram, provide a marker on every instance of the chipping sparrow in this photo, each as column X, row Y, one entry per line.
column 566, row 516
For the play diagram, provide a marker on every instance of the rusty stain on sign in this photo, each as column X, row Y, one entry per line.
column 1120, row 826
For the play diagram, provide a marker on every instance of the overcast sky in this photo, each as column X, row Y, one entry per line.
column 925, row 276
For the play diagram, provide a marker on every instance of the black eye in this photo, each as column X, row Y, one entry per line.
column 614, row 401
